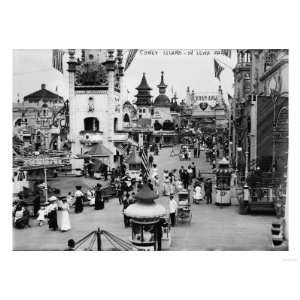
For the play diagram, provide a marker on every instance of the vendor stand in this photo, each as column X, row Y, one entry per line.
column 223, row 183
column 184, row 213
column 148, row 223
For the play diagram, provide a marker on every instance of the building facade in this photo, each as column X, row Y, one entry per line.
column 260, row 111
column 39, row 121
column 96, row 101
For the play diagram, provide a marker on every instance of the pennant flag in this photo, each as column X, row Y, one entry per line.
column 57, row 60
column 130, row 57
column 226, row 52
column 229, row 97
column 218, row 69
column 145, row 164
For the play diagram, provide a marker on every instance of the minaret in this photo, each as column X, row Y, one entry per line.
column 188, row 97
column 220, row 96
column 72, row 107
column 162, row 86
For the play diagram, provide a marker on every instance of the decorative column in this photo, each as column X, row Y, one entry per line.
column 110, row 67
column 121, row 82
column 253, row 143
column 72, row 107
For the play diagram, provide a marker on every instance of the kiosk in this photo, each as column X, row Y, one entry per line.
column 223, row 183
column 150, row 229
column 134, row 163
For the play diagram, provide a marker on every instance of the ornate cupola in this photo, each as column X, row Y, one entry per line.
column 143, row 96
column 174, row 104
column 162, row 100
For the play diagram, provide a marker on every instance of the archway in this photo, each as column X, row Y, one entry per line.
column 91, row 124
column 116, row 124
column 126, row 118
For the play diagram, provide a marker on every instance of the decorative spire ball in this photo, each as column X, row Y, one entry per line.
column 110, row 54
column 72, row 54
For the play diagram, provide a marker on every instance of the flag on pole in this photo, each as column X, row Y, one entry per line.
column 130, row 57
column 145, row 164
column 218, row 69
column 226, row 52
column 57, row 60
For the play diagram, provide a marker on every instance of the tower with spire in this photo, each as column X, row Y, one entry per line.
column 96, row 99
column 162, row 103
column 143, row 101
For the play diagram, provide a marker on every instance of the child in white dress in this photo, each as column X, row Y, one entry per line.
column 41, row 215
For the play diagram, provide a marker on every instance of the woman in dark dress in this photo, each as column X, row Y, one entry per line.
column 36, row 205
column 52, row 213
column 125, row 205
column 78, row 200
column 99, row 203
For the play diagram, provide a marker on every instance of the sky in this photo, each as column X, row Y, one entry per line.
column 31, row 68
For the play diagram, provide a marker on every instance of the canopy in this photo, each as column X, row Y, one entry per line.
column 134, row 158
column 145, row 207
column 99, row 150
column 223, row 161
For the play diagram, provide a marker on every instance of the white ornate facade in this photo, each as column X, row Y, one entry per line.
column 96, row 100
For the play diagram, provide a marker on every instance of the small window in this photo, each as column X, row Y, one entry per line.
column 140, row 110
column 91, row 56
column 144, row 110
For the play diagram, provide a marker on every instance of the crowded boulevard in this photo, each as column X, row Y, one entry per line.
column 212, row 227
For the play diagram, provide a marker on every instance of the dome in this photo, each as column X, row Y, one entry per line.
column 162, row 101
column 145, row 211
column 145, row 207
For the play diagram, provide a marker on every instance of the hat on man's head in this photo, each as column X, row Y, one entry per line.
column 52, row 199
column 78, row 187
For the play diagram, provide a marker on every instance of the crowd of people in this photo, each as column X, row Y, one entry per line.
column 56, row 211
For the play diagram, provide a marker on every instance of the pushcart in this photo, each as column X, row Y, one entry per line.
column 185, row 152
column 184, row 212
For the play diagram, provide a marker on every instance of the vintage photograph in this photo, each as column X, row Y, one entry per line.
column 150, row 150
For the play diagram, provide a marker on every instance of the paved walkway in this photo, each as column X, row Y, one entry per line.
column 212, row 227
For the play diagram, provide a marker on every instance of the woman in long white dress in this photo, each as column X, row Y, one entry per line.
column 65, row 218
column 197, row 194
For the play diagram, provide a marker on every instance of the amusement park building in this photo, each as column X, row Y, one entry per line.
column 96, row 102
column 260, row 110
column 155, row 120
column 205, row 111
column 38, row 120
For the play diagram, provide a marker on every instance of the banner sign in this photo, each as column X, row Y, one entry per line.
column 205, row 99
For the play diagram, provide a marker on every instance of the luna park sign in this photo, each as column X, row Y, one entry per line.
column 206, row 100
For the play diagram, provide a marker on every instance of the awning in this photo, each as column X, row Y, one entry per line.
column 121, row 148
column 134, row 158
column 99, row 150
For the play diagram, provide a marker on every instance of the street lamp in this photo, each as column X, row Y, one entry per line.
column 238, row 149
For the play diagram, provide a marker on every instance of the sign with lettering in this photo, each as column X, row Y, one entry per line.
column 78, row 92
column 209, row 98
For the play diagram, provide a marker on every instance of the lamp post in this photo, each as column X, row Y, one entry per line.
column 238, row 149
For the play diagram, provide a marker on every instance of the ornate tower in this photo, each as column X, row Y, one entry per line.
column 143, row 102
column 95, row 95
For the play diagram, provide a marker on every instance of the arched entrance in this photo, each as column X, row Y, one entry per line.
column 126, row 118
column 116, row 124
column 91, row 124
